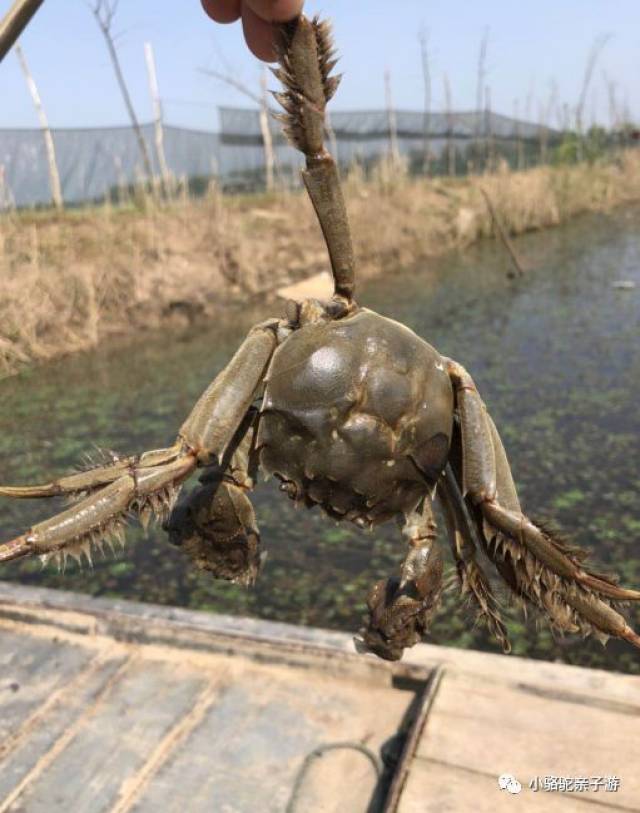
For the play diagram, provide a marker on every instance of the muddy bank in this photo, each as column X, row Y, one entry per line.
column 69, row 281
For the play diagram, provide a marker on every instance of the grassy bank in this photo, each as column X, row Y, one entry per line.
column 69, row 280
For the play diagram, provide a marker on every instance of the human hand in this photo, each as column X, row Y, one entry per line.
column 258, row 18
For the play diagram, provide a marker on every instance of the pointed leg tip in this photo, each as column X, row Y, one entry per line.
column 27, row 492
column 15, row 549
column 632, row 637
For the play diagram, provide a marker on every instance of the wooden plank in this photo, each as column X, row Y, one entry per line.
column 596, row 683
column 23, row 755
column 174, row 627
column 491, row 727
column 112, row 740
column 288, row 690
column 31, row 669
column 434, row 787
column 339, row 780
column 248, row 750
column 238, row 757
column 413, row 740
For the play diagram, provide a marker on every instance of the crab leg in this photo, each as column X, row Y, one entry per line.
column 546, row 570
column 306, row 56
column 149, row 483
column 102, row 514
column 215, row 524
column 400, row 611
column 463, row 537
column 87, row 481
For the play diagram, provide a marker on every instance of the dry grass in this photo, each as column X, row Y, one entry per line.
column 68, row 280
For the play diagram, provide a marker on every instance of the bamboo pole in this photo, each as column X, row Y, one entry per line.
column 426, row 76
column 54, row 175
column 594, row 53
column 451, row 153
column 490, row 147
column 480, row 99
column 14, row 22
column 394, row 150
column 7, row 201
column 265, row 129
column 519, row 142
column 157, row 119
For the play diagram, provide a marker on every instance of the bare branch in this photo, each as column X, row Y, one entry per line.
column 482, row 70
column 502, row 232
column 231, row 80
column 594, row 53
column 104, row 12
column 426, row 75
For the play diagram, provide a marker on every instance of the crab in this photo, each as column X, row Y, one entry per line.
column 355, row 414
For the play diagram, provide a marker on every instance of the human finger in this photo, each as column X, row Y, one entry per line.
column 222, row 11
column 275, row 11
column 259, row 34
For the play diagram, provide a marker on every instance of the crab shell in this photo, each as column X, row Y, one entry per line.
column 357, row 417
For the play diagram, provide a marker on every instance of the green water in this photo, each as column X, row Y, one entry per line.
column 556, row 356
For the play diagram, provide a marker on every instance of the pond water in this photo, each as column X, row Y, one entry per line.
column 556, row 356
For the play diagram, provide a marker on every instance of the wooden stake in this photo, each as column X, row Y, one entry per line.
column 54, row 175
column 265, row 129
column 451, row 153
column 393, row 122
column 426, row 76
column 157, row 119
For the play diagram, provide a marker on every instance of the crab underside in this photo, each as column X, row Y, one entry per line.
column 353, row 413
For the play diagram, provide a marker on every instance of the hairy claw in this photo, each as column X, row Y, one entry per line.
column 93, row 478
column 148, row 488
column 553, row 554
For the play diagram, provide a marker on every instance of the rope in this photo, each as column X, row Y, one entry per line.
column 318, row 752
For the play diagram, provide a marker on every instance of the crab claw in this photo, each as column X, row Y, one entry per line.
column 146, row 485
column 398, row 618
column 215, row 526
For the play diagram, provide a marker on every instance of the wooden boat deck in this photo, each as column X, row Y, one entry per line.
column 118, row 706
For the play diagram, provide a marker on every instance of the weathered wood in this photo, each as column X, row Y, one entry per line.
column 27, row 752
column 52, row 164
column 163, row 709
column 158, row 122
column 492, row 726
column 30, row 671
column 113, row 738
column 434, row 787
column 159, row 708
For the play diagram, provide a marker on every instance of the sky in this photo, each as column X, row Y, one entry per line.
column 531, row 48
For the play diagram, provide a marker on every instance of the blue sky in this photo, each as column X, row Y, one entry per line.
column 530, row 45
